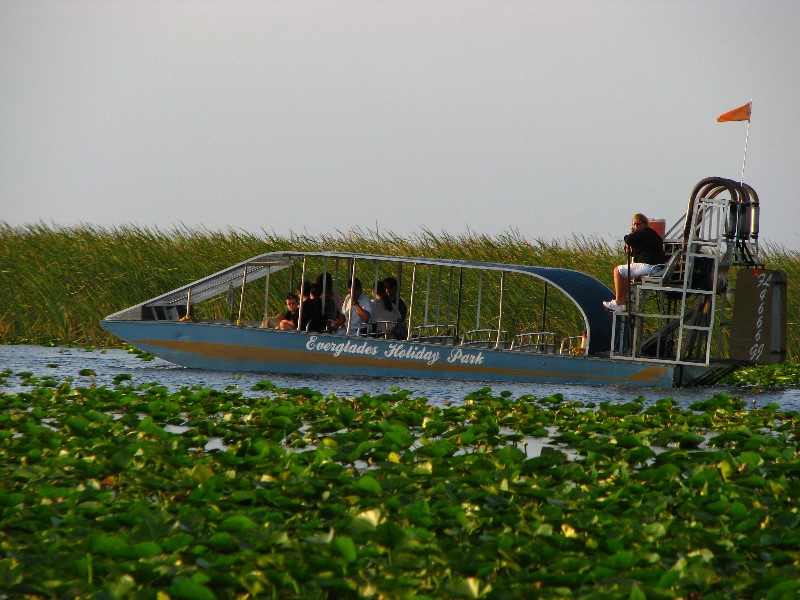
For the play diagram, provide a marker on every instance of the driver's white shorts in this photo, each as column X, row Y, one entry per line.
column 637, row 270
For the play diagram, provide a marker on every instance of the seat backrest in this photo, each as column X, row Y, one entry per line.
column 664, row 275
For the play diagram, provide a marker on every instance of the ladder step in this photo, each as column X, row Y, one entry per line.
column 696, row 328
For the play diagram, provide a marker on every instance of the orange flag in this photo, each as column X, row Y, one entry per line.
column 737, row 114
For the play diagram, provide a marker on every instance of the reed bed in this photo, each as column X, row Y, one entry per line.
column 56, row 283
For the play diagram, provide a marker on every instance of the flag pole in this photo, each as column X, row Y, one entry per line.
column 746, row 137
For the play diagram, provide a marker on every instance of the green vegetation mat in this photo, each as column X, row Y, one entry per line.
column 144, row 493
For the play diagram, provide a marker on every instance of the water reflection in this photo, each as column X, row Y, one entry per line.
column 61, row 363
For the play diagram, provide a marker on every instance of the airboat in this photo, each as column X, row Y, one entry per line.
column 712, row 307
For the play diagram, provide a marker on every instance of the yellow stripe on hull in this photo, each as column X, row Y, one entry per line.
column 647, row 374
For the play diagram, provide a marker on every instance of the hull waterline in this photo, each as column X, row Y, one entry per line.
column 234, row 348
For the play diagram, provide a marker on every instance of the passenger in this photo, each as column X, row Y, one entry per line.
column 385, row 315
column 303, row 289
column 288, row 320
column 390, row 283
column 400, row 330
column 357, row 306
column 646, row 248
column 330, row 299
column 311, row 318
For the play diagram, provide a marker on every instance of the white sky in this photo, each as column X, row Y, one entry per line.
column 551, row 118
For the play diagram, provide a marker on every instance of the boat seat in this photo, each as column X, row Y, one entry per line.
column 661, row 275
column 485, row 338
column 162, row 313
column 380, row 329
column 435, row 334
column 571, row 345
column 537, row 342
column 445, row 340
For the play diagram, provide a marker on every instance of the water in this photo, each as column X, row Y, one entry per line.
column 62, row 363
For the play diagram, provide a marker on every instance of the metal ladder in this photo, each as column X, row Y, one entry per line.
column 703, row 247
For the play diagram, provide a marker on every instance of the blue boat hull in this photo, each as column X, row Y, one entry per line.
column 224, row 347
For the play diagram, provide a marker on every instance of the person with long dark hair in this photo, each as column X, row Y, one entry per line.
column 385, row 314
column 400, row 329
column 328, row 296
column 311, row 318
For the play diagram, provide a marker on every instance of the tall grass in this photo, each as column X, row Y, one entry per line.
column 57, row 283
